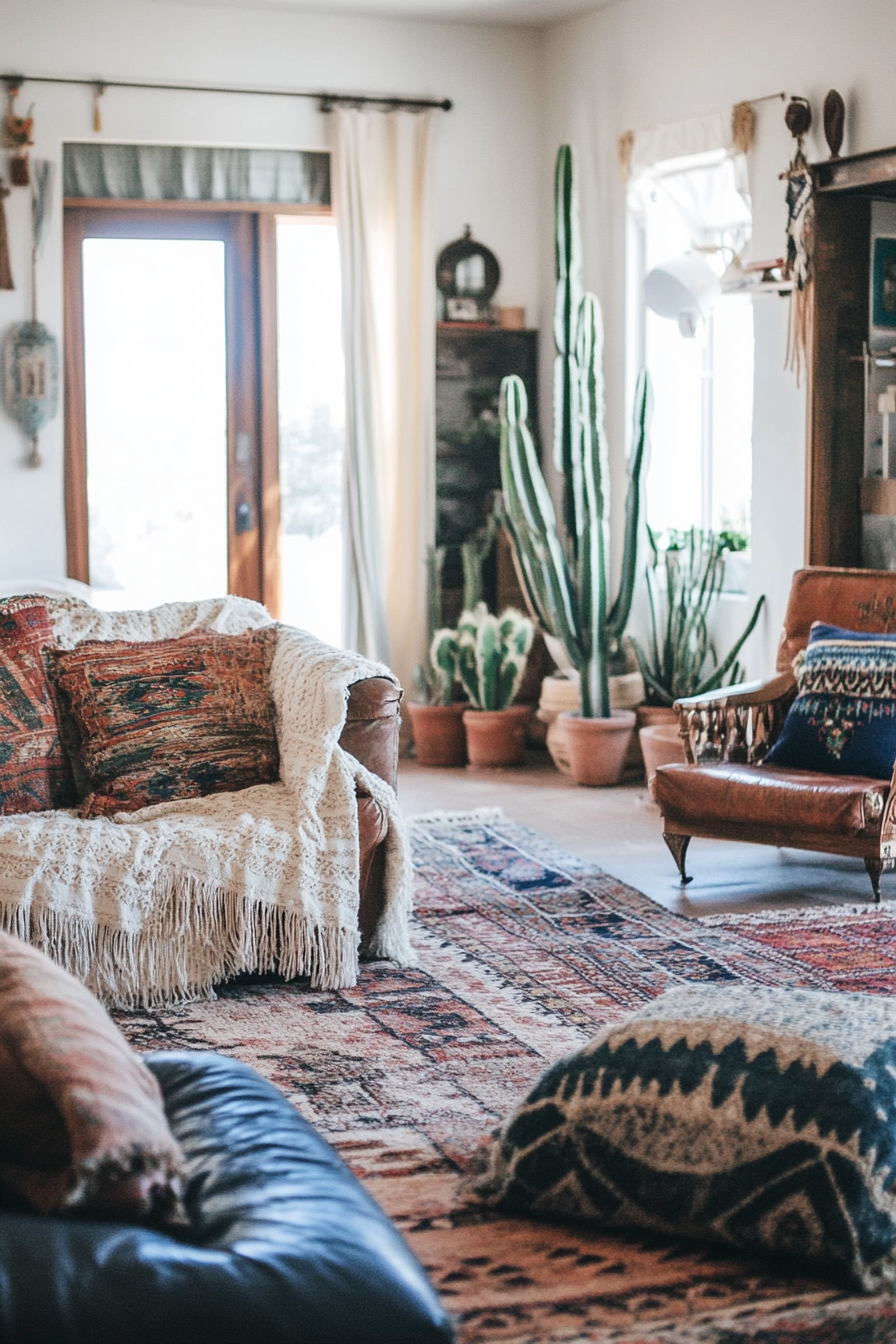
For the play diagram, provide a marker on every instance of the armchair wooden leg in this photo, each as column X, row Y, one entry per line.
column 874, row 868
column 678, row 848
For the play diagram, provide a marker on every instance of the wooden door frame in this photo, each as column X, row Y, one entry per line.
column 249, row 235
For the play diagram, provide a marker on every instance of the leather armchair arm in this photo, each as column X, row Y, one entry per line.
column 372, row 725
column 735, row 723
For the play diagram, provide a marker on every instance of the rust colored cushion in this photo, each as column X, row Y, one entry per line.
column 82, row 1126
column 768, row 795
column 168, row 719
column 34, row 772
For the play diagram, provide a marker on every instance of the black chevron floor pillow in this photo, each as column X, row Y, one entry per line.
column 762, row 1118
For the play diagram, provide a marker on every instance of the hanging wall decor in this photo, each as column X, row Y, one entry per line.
column 18, row 137
column 31, row 379
column 834, row 122
column 800, row 238
column 30, row 352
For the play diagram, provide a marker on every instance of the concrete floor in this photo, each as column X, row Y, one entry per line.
column 619, row 830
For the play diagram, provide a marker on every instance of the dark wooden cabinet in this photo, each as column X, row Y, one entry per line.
column 844, row 375
column 470, row 363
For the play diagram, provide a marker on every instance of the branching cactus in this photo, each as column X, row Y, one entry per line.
column 567, row 585
column 493, row 654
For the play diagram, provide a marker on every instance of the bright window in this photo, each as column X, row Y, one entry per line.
column 701, row 459
column 156, row 393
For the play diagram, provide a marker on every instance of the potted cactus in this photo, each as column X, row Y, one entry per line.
column 567, row 583
column 492, row 659
column 435, row 719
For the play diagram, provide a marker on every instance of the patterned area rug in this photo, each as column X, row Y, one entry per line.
column 525, row 952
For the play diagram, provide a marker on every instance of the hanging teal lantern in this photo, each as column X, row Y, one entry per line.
column 31, row 379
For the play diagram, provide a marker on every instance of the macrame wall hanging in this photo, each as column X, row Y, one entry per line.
column 800, row 239
column 30, row 365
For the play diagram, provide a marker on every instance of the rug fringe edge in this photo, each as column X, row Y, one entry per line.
column 446, row 817
column 807, row 916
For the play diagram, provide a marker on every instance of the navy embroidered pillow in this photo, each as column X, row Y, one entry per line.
column 843, row 720
column 761, row 1118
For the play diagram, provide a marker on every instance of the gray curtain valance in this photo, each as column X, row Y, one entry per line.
column 196, row 173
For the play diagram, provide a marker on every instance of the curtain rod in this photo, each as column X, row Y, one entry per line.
column 326, row 101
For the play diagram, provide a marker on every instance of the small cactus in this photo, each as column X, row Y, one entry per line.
column 493, row 651
column 434, row 680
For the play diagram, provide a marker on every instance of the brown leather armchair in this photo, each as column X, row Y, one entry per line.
column 371, row 736
column 726, row 793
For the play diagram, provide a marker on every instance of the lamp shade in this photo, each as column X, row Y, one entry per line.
column 683, row 288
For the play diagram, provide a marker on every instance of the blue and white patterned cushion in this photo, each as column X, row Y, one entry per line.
column 843, row 720
column 762, row 1118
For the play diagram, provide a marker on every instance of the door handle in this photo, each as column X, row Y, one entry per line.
column 243, row 520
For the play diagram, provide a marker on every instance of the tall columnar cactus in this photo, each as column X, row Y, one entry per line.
column 567, row 302
column 568, row 587
column 493, row 653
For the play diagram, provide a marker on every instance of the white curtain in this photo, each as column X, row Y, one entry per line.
column 383, row 200
column 700, row 167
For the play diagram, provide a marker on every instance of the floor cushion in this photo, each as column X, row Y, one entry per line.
column 82, row 1127
column 761, row 1118
column 285, row 1246
column 34, row 772
column 151, row 722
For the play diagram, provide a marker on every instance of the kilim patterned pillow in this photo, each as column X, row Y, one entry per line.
column 34, row 773
column 172, row 718
column 843, row 721
column 763, row 1118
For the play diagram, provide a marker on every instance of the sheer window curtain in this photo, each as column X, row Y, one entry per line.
column 383, row 201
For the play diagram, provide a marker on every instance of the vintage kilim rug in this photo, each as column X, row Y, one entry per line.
column 524, row 953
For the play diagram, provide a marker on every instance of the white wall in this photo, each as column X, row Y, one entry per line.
column 487, row 172
column 641, row 63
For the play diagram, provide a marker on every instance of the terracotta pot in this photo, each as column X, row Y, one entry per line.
column 439, row 734
column 652, row 716
column 597, row 747
column 562, row 693
column 497, row 736
column 649, row 715
column 661, row 745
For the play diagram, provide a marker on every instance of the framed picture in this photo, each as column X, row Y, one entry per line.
column 883, row 284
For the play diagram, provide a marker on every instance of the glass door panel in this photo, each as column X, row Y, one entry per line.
column 155, row 366
column 311, row 399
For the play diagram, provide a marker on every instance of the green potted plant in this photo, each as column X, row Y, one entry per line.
column 492, row 659
column 684, row 579
column 567, row 584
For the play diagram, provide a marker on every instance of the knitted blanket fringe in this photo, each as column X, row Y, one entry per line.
column 201, row 936
column 153, row 908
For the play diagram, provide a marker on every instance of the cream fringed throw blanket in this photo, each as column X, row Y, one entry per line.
column 154, row 907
